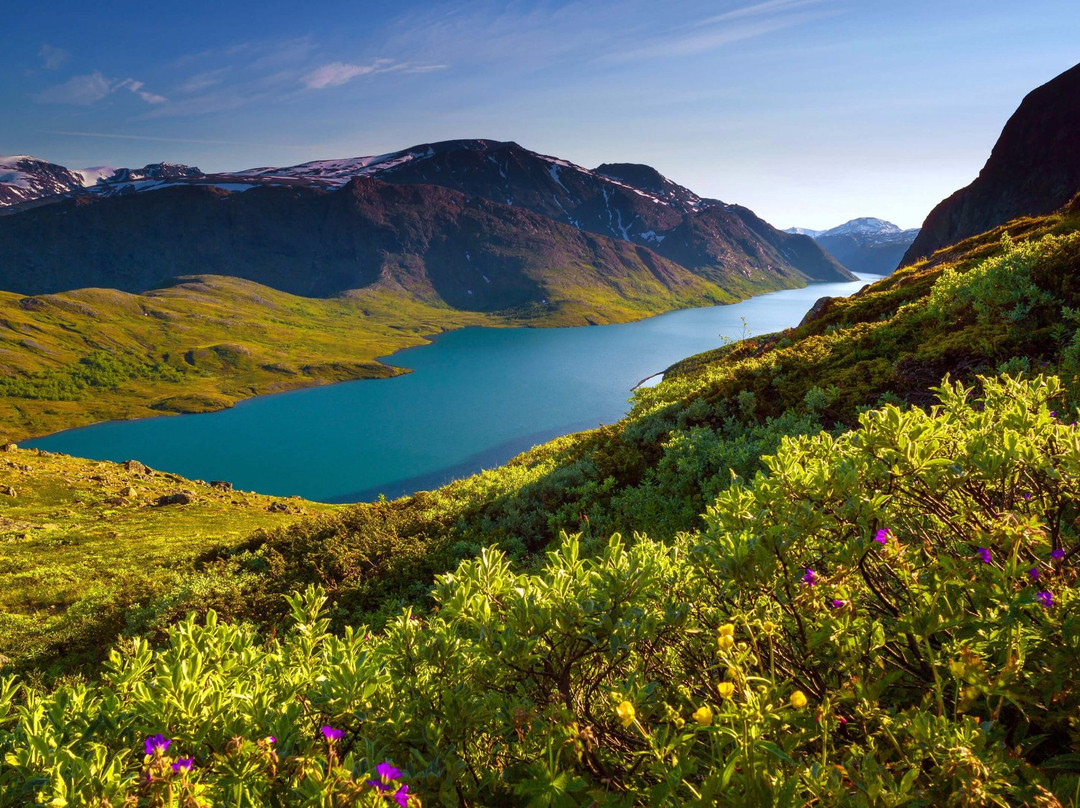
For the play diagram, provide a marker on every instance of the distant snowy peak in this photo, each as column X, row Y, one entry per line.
column 865, row 244
column 24, row 178
column 864, row 226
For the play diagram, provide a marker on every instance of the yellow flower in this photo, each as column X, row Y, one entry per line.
column 957, row 667
column 768, row 626
column 727, row 630
column 725, row 642
column 703, row 716
column 798, row 700
column 726, row 689
column 625, row 712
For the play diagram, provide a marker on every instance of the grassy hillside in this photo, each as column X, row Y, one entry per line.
column 83, row 540
column 848, row 584
column 91, row 355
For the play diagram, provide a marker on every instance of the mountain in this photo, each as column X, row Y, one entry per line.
column 866, row 244
column 24, row 178
column 724, row 244
column 431, row 243
column 625, row 201
column 1034, row 169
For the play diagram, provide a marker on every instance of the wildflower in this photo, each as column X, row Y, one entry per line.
column 882, row 536
column 726, row 689
column 401, row 796
column 768, row 626
column 625, row 712
column 798, row 700
column 183, row 764
column 725, row 637
column 1027, row 497
column 841, row 719
column 1053, row 413
column 838, row 604
column 332, row 734
column 157, row 744
column 1045, row 598
column 1057, row 554
column 957, row 667
column 387, row 774
column 387, row 771
column 983, row 553
column 271, row 739
column 810, row 577
column 1033, row 573
column 703, row 716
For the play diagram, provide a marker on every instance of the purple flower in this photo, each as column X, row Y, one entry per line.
column 401, row 796
column 386, row 771
column 1033, row 573
column 838, row 604
column 331, row 733
column 984, row 554
column 882, row 536
column 183, row 764
column 810, row 577
column 1027, row 497
column 1053, row 413
column 1046, row 598
column 1057, row 554
column 157, row 744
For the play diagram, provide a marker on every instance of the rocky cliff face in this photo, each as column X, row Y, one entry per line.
column 1033, row 169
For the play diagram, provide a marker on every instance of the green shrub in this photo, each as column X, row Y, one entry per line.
column 887, row 617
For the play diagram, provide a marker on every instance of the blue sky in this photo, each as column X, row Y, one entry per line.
column 810, row 112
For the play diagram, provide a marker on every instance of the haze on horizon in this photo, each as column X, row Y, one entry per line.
column 809, row 112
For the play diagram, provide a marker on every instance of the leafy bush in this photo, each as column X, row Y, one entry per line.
column 886, row 617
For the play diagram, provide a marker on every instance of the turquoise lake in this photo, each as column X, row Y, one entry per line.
column 476, row 397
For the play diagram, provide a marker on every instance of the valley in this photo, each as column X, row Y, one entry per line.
column 831, row 558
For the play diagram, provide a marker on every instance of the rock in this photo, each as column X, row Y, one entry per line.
column 279, row 507
column 134, row 466
column 221, row 485
column 8, row 490
column 817, row 310
column 178, row 498
column 8, row 447
column 128, row 492
column 1034, row 169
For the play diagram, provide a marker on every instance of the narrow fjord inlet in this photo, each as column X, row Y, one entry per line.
column 475, row 399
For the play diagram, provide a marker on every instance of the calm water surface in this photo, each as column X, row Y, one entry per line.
column 476, row 398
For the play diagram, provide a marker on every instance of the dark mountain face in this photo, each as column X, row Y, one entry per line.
column 1033, row 169
column 625, row 201
column 430, row 242
column 260, row 224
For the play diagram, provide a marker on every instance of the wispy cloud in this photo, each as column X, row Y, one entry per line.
column 52, row 58
column 337, row 73
column 137, row 88
column 90, row 88
column 737, row 25
column 267, row 72
column 171, row 139
column 80, row 90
